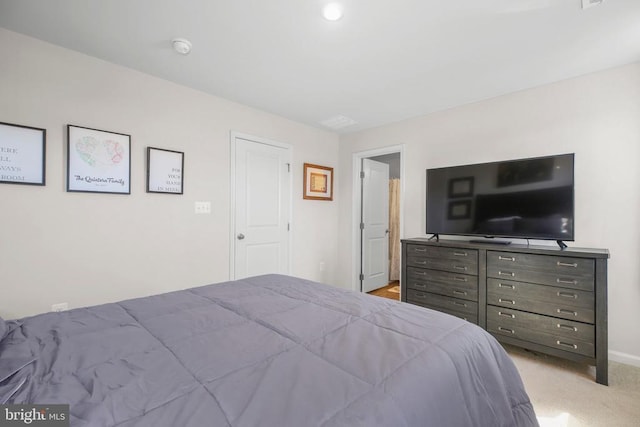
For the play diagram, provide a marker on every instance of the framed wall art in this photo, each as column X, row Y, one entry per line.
column 318, row 182
column 98, row 161
column 164, row 171
column 22, row 154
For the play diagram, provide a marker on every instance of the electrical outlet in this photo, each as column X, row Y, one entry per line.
column 63, row 306
column 202, row 207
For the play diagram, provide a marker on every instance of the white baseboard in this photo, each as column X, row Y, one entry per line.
column 627, row 359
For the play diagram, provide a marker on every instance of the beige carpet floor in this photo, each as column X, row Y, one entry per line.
column 565, row 394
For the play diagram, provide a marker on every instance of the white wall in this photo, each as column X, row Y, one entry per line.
column 595, row 116
column 86, row 248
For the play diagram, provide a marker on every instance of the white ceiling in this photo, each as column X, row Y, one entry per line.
column 384, row 61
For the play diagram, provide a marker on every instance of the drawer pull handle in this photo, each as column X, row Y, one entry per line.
column 567, row 282
column 425, row 263
column 511, row 331
column 569, row 327
column 420, row 250
column 421, row 273
column 460, row 279
column 455, row 292
column 505, row 285
column 567, row 264
column 419, row 285
column 460, row 267
column 507, row 273
column 460, row 254
column 420, row 295
column 506, row 258
column 573, row 346
column 568, row 295
column 563, row 311
column 508, row 301
column 461, row 304
column 513, row 316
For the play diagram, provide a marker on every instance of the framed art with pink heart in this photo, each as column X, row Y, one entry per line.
column 98, row 161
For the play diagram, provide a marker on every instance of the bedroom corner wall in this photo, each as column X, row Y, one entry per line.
column 87, row 249
column 596, row 116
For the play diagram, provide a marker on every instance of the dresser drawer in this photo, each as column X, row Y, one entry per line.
column 552, row 294
column 440, row 302
column 473, row 318
column 446, row 259
column 575, row 273
column 443, row 252
column 568, row 304
column 565, row 335
column 444, row 283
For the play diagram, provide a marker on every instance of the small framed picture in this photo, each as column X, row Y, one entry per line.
column 98, row 161
column 318, row 182
column 459, row 209
column 461, row 187
column 22, row 154
column 164, row 171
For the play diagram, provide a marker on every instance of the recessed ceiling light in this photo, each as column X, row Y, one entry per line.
column 332, row 11
column 182, row 46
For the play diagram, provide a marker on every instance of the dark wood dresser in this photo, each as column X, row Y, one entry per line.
column 540, row 298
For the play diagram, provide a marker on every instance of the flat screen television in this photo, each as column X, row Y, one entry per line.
column 524, row 198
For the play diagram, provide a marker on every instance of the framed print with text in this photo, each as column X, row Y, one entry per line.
column 318, row 182
column 22, row 154
column 164, row 171
column 98, row 161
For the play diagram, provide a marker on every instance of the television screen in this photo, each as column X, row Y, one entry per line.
column 525, row 198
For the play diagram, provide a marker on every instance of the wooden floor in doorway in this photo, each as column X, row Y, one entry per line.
column 388, row 291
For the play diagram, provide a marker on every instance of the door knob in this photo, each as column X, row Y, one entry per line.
column 240, row 236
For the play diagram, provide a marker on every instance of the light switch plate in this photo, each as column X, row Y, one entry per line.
column 202, row 207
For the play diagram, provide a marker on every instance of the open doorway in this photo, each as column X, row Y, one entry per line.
column 378, row 186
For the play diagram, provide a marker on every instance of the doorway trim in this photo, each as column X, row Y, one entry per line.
column 356, row 255
column 233, row 136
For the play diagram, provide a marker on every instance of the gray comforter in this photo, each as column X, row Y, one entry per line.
column 265, row 351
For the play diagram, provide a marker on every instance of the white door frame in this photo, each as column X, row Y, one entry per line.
column 356, row 260
column 232, row 195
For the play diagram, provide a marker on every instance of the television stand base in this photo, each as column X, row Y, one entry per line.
column 491, row 242
column 562, row 244
column 435, row 236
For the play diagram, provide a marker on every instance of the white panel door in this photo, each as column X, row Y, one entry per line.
column 375, row 220
column 263, row 187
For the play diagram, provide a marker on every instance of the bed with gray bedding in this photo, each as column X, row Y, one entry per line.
column 264, row 351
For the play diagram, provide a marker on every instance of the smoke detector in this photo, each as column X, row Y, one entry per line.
column 182, row 46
